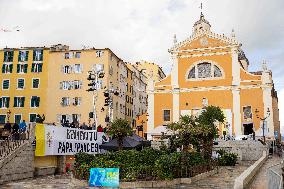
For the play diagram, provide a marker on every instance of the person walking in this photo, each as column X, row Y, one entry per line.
column 15, row 131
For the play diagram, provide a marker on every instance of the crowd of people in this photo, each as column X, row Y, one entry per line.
column 76, row 124
column 16, row 131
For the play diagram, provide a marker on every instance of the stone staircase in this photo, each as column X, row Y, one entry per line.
column 16, row 159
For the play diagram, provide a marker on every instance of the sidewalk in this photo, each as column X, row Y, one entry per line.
column 261, row 179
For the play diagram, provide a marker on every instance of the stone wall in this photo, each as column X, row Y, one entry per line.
column 242, row 181
column 247, row 150
column 19, row 164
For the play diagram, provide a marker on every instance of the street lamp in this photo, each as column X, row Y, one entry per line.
column 8, row 115
column 263, row 120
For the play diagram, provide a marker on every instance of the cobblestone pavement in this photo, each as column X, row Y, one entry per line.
column 261, row 179
column 60, row 182
column 224, row 179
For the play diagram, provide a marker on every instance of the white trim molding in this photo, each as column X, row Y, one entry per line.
column 237, row 112
column 236, row 70
column 176, row 111
column 151, row 108
column 267, row 103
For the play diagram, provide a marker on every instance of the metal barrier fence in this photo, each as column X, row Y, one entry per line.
column 275, row 179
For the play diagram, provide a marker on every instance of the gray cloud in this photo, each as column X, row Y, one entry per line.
column 143, row 29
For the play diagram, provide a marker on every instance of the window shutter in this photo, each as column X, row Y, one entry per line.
column 62, row 68
column 27, row 56
column 5, row 56
column 80, row 84
column 8, row 102
column 19, row 56
column 38, row 100
column 15, row 101
column 41, row 55
column 25, row 68
column 18, row 68
column 11, row 68
column 1, row 105
column 23, row 101
column 39, row 67
column 81, row 68
column 34, row 54
column 3, row 68
column 33, row 68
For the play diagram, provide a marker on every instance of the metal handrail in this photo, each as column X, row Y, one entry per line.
column 7, row 146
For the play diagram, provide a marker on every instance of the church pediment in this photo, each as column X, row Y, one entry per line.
column 203, row 41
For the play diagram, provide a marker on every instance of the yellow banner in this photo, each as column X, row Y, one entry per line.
column 40, row 140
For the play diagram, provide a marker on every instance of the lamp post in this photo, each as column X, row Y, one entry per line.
column 263, row 120
column 93, row 77
column 8, row 115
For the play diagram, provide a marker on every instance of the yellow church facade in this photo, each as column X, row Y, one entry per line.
column 211, row 69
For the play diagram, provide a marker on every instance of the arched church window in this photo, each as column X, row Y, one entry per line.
column 191, row 73
column 217, row 71
column 204, row 70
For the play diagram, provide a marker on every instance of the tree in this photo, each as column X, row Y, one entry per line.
column 197, row 131
column 119, row 129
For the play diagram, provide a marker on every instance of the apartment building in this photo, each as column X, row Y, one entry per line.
column 151, row 70
column 69, row 70
column 138, row 94
column 54, row 81
column 24, row 78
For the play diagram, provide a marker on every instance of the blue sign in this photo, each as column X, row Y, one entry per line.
column 105, row 177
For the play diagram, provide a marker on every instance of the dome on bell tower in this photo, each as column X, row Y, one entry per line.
column 201, row 26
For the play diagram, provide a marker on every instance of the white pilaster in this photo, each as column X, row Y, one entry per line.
column 237, row 112
column 175, row 88
column 174, row 73
column 267, row 103
column 150, row 111
column 176, row 111
column 235, row 67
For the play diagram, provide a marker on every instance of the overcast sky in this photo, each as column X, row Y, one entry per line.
column 143, row 29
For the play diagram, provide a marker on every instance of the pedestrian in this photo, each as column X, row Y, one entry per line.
column 23, row 128
column 100, row 128
column 7, row 130
column 72, row 125
column 94, row 126
column 84, row 126
column 15, row 131
column 7, row 126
